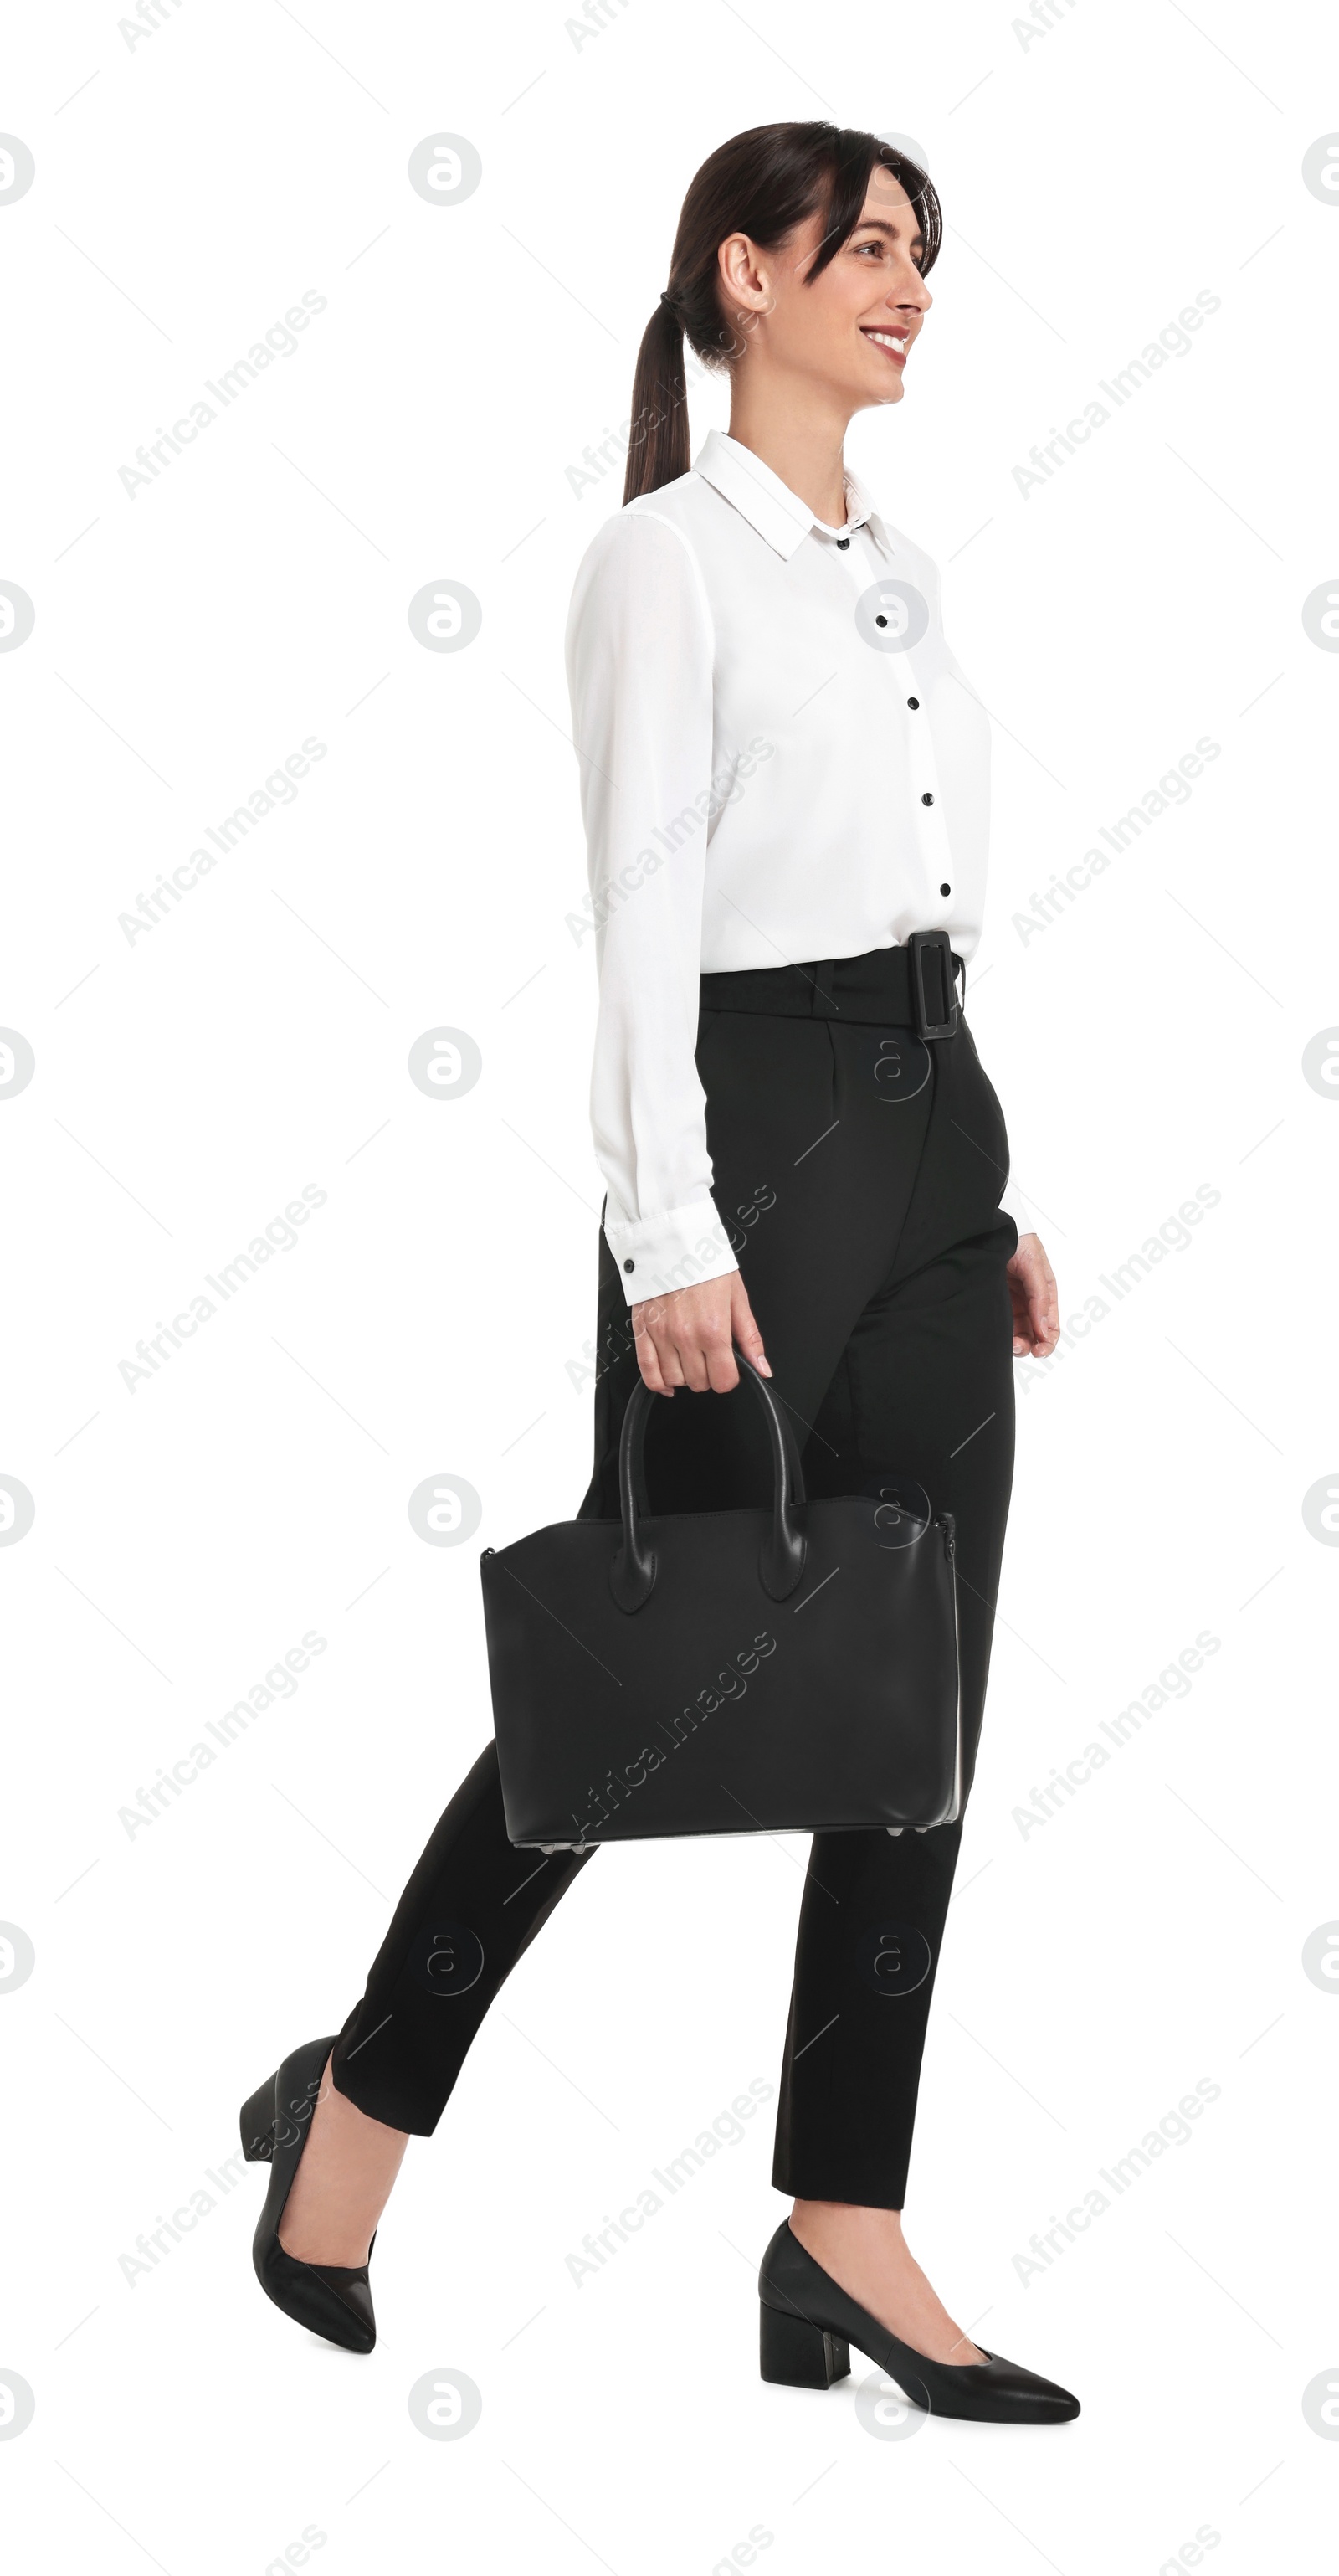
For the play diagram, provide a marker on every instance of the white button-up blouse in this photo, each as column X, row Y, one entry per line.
column 781, row 763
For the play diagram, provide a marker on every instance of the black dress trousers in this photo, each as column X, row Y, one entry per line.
column 859, row 1169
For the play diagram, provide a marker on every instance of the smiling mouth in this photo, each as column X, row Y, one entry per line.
column 893, row 343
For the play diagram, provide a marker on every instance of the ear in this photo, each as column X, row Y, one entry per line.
column 743, row 276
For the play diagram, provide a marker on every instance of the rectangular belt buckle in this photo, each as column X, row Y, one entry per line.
column 919, row 942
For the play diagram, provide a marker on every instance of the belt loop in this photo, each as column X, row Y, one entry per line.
column 822, row 1005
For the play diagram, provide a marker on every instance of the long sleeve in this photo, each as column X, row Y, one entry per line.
column 639, row 669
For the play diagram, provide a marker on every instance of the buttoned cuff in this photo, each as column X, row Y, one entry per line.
column 658, row 1254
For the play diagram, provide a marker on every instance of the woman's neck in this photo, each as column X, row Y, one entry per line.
column 804, row 448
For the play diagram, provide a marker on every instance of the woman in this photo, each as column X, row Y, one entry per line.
column 784, row 787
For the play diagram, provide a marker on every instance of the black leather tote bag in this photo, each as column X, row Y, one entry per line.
column 725, row 1672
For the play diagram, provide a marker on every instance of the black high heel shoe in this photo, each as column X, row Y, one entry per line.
column 330, row 2299
column 809, row 2324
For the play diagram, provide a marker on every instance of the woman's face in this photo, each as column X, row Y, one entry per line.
column 853, row 329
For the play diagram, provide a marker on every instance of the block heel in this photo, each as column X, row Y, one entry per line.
column 330, row 2299
column 809, row 2324
column 256, row 2123
column 795, row 2354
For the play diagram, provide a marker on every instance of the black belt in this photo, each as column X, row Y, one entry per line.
column 901, row 988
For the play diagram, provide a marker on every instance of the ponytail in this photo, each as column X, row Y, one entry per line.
column 762, row 183
column 658, row 450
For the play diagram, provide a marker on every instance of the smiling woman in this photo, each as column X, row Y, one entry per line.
column 876, row 211
column 784, row 780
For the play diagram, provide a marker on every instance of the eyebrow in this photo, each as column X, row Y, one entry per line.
column 876, row 224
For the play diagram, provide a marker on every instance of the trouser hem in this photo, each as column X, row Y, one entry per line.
column 841, row 2183
column 412, row 2119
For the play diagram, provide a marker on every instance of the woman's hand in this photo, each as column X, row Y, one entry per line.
column 684, row 1339
column 1036, row 1300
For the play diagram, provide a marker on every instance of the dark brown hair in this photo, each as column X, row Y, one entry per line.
column 762, row 183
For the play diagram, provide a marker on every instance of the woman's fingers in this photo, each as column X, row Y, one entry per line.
column 685, row 1339
column 720, row 1370
column 648, row 1352
column 648, row 1361
column 1046, row 1304
column 1036, row 1301
column 745, row 1330
column 699, row 1343
column 659, row 1336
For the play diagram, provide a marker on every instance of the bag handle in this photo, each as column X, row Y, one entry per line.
column 781, row 1563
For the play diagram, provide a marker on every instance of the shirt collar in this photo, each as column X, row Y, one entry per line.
column 769, row 505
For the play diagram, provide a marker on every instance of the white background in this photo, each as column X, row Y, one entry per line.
column 188, row 189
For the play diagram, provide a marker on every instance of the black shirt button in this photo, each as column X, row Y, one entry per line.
column 927, row 798
column 913, row 702
column 842, row 544
column 946, row 889
column 629, row 1265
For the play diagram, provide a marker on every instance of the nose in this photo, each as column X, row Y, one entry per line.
column 911, row 294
